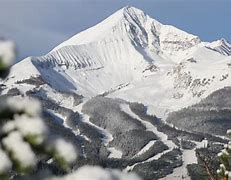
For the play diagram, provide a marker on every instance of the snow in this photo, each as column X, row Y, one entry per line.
column 98, row 173
column 146, row 148
column 65, row 150
column 157, row 91
column 31, row 126
column 59, row 98
column 7, row 52
column 58, row 117
column 102, row 58
column 221, row 46
column 20, row 71
column 85, row 118
column 149, row 127
column 116, row 22
column 5, row 161
column 21, row 150
column 8, row 126
column 29, row 105
column 229, row 131
column 114, row 153
column 114, row 58
column 175, row 42
column 188, row 157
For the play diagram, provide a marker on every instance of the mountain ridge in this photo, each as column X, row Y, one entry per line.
column 134, row 50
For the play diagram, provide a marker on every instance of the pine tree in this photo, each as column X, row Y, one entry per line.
column 225, row 158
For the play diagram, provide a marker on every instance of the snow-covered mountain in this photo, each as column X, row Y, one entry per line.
column 132, row 56
column 135, row 58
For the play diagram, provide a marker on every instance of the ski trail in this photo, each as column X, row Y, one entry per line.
column 145, row 148
column 114, row 153
column 149, row 127
column 188, row 157
column 85, row 118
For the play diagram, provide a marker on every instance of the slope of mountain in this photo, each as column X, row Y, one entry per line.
column 111, row 87
column 131, row 49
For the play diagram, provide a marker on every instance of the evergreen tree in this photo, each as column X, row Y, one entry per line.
column 225, row 158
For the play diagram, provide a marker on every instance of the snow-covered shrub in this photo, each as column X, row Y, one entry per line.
column 24, row 136
column 7, row 56
column 225, row 158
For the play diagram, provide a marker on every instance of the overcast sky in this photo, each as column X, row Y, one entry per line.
column 37, row 26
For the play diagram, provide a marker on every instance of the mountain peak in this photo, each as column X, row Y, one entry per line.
column 132, row 10
column 132, row 24
column 225, row 42
column 128, row 16
column 222, row 46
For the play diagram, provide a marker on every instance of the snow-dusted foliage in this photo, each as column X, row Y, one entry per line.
column 98, row 173
column 5, row 161
column 225, row 158
column 24, row 136
column 64, row 152
column 23, row 133
column 20, row 150
column 7, row 56
column 7, row 52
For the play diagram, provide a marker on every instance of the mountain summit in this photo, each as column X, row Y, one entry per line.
column 132, row 24
column 130, row 54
